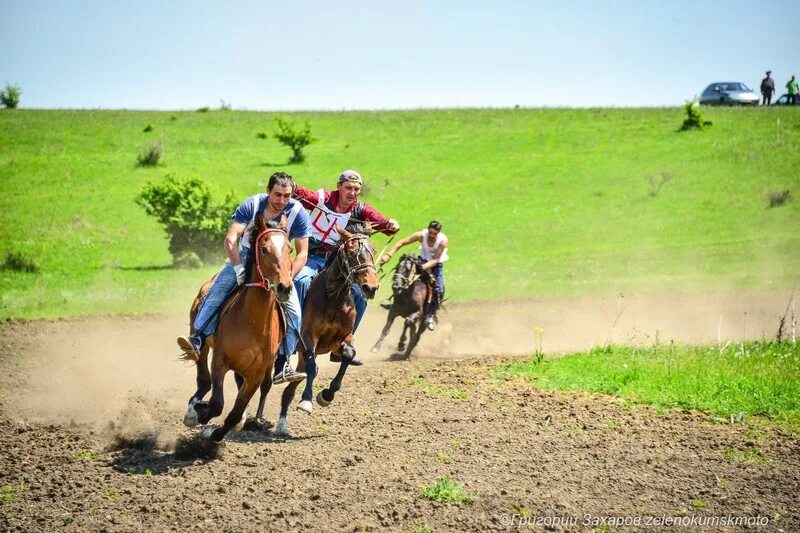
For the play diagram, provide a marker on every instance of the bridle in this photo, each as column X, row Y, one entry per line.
column 349, row 268
column 264, row 283
column 407, row 280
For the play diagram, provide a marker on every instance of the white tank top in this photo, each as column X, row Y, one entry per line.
column 427, row 252
column 324, row 221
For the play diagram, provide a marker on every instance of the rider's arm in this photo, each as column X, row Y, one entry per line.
column 388, row 226
column 299, row 261
column 436, row 256
column 307, row 197
column 232, row 242
column 402, row 242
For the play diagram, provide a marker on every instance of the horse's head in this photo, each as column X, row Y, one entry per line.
column 272, row 256
column 405, row 272
column 357, row 256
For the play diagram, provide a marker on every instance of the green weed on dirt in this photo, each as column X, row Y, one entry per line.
column 536, row 202
column 755, row 378
column 446, row 491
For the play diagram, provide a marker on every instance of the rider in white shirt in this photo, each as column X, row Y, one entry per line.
column 433, row 253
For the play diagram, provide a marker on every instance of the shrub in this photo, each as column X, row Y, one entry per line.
column 694, row 117
column 150, row 155
column 261, row 135
column 19, row 262
column 194, row 222
column 203, row 110
column 296, row 139
column 779, row 198
column 224, row 106
column 148, row 128
column 10, row 96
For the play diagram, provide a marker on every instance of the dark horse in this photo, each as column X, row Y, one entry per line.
column 409, row 292
column 328, row 317
column 249, row 331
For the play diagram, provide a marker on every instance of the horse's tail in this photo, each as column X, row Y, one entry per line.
column 190, row 357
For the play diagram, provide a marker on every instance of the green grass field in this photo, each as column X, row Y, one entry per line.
column 757, row 378
column 536, row 202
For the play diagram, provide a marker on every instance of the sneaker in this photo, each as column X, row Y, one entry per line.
column 288, row 375
column 191, row 344
column 430, row 322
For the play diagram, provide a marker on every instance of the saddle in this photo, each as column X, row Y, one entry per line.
column 237, row 292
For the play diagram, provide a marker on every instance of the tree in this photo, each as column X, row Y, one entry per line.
column 195, row 223
column 296, row 139
column 10, row 96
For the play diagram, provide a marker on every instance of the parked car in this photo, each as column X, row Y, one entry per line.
column 784, row 100
column 729, row 93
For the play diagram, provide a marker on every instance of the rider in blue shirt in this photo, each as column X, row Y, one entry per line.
column 275, row 203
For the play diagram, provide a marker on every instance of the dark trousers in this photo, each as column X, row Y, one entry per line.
column 766, row 98
column 792, row 99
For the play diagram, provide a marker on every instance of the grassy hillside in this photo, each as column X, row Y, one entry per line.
column 535, row 201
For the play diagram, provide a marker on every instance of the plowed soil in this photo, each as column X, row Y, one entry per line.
column 91, row 436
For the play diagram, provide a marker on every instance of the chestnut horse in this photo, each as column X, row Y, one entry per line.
column 409, row 292
column 328, row 317
column 249, row 330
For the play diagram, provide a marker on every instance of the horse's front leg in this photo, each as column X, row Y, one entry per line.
column 415, row 335
column 203, row 386
column 305, row 404
column 325, row 396
column 236, row 416
column 386, row 328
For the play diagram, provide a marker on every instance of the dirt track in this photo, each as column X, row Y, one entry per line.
column 74, row 392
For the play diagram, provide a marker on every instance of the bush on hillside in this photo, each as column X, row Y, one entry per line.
column 694, row 117
column 10, row 96
column 19, row 262
column 289, row 134
column 150, row 155
column 194, row 222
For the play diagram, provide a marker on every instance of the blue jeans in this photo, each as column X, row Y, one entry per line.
column 314, row 264
column 438, row 273
column 207, row 318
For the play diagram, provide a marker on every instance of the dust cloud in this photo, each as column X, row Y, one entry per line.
column 123, row 373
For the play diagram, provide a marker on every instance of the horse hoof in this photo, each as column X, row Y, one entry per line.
column 190, row 418
column 321, row 400
column 374, row 349
column 208, row 432
column 305, row 406
column 282, row 428
column 257, row 424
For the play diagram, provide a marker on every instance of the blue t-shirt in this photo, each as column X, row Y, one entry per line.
column 298, row 224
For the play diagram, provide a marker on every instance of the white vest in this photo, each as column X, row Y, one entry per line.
column 427, row 252
column 324, row 221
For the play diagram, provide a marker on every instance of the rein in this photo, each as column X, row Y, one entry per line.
column 265, row 284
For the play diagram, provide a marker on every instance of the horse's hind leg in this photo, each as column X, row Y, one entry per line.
column 234, row 418
column 207, row 411
column 282, row 428
column 190, row 419
column 386, row 328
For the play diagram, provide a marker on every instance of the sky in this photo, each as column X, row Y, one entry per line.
column 342, row 55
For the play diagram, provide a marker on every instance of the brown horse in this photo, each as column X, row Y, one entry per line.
column 409, row 292
column 249, row 332
column 328, row 317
